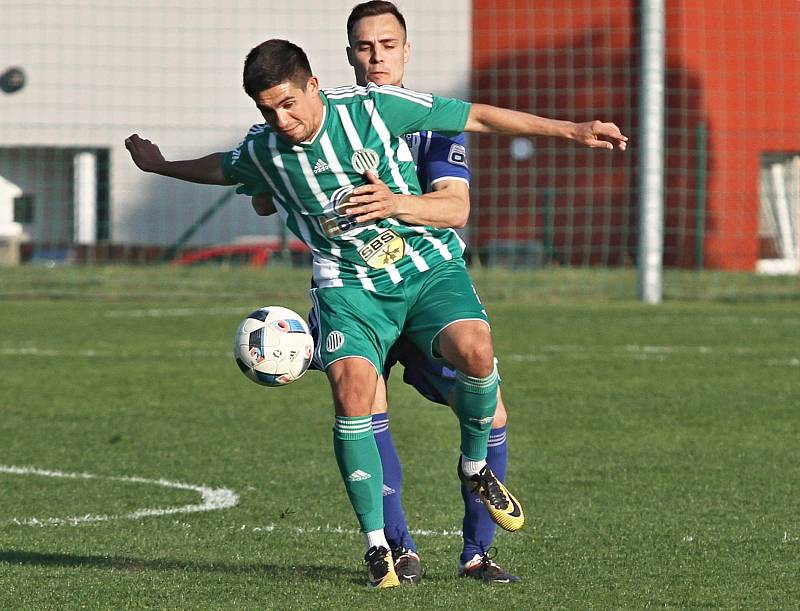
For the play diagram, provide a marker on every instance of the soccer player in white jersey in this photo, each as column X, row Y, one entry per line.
column 374, row 277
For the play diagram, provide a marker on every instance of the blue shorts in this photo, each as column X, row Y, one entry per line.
column 430, row 377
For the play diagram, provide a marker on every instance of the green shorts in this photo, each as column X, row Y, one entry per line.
column 355, row 322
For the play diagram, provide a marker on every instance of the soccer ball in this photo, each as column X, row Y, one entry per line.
column 273, row 346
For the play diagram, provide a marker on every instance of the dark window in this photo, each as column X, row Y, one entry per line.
column 23, row 208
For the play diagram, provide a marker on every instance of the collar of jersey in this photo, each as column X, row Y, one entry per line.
column 322, row 124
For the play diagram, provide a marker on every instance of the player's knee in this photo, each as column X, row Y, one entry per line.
column 353, row 387
column 349, row 400
column 478, row 358
column 500, row 415
column 468, row 346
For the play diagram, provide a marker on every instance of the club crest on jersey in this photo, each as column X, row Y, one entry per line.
column 384, row 249
column 334, row 341
column 364, row 160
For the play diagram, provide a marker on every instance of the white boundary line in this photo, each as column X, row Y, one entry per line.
column 212, row 499
column 338, row 530
column 105, row 354
column 540, row 353
column 175, row 312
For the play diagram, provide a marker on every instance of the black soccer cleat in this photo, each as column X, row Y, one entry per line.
column 483, row 568
column 407, row 566
column 503, row 508
column 381, row 568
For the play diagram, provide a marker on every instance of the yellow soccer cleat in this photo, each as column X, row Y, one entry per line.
column 503, row 508
column 381, row 568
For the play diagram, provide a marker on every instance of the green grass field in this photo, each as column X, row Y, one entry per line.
column 655, row 449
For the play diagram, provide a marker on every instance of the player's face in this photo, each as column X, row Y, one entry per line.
column 293, row 112
column 378, row 50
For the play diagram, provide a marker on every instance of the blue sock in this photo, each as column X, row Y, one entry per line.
column 395, row 527
column 478, row 527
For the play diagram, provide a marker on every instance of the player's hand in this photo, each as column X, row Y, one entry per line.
column 146, row 155
column 373, row 201
column 596, row 134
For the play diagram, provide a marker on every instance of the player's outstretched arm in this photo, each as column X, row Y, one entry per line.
column 148, row 158
column 594, row 134
column 446, row 206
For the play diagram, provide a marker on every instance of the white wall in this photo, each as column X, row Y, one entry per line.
column 171, row 71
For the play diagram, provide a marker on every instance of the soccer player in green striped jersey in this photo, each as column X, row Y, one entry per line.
column 374, row 278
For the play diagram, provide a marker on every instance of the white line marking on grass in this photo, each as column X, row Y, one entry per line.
column 212, row 499
column 338, row 530
column 104, row 354
column 174, row 312
column 792, row 362
column 667, row 349
column 629, row 351
column 33, row 351
column 541, row 353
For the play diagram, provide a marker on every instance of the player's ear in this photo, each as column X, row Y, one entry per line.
column 312, row 85
column 406, row 52
column 350, row 60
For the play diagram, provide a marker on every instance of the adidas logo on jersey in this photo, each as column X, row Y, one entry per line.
column 321, row 166
column 388, row 490
column 358, row 476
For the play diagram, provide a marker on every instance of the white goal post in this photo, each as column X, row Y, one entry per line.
column 779, row 214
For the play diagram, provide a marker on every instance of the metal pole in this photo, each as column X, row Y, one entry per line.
column 700, row 195
column 651, row 156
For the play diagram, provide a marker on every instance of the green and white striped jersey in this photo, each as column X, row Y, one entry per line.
column 311, row 182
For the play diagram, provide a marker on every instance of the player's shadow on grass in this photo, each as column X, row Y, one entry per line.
column 126, row 563
column 290, row 572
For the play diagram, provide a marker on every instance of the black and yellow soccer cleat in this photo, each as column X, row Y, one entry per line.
column 484, row 568
column 503, row 508
column 407, row 566
column 381, row 568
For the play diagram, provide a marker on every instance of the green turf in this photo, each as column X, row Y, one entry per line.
column 655, row 449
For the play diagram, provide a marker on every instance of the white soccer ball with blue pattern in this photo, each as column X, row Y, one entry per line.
column 273, row 346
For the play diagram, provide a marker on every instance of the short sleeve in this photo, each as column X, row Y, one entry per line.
column 238, row 167
column 405, row 111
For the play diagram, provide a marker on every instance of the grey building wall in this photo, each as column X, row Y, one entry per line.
column 171, row 71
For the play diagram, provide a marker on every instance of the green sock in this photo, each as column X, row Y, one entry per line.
column 360, row 466
column 475, row 401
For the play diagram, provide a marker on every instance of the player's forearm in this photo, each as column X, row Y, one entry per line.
column 491, row 119
column 206, row 170
column 442, row 208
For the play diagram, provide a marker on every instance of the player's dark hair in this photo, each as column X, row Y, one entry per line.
column 373, row 8
column 273, row 62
